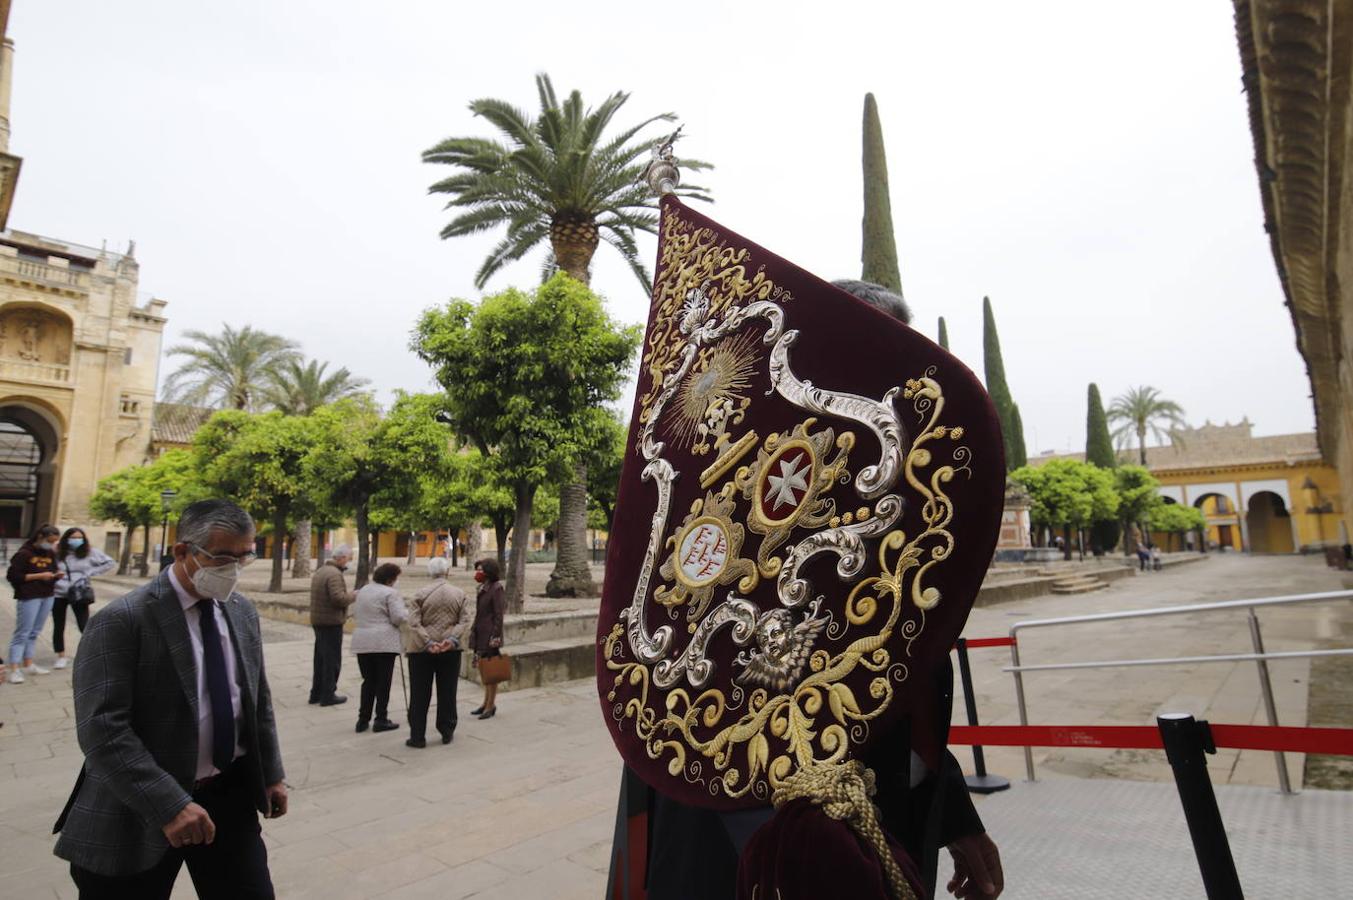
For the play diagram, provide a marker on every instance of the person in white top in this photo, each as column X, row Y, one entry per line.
column 76, row 564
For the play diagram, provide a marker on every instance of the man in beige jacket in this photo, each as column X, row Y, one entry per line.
column 329, row 602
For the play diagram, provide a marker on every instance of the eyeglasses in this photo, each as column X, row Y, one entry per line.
column 225, row 559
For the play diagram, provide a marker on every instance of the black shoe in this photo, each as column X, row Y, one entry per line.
column 489, row 714
column 334, row 700
column 384, row 725
column 314, row 700
column 418, row 743
column 361, row 725
column 447, row 736
column 474, row 712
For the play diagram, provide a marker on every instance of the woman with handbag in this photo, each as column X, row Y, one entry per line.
column 76, row 564
column 487, row 636
column 32, row 574
column 438, row 619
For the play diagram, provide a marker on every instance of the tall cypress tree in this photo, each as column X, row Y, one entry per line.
column 1018, row 454
column 944, row 334
column 1098, row 444
column 880, row 250
column 994, row 367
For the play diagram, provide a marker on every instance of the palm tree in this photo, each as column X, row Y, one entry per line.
column 298, row 389
column 1143, row 409
column 554, row 181
column 231, row 369
column 557, row 180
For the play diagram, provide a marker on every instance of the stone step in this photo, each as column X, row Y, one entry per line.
column 1078, row 587
column 538, row 663
column 529, row 628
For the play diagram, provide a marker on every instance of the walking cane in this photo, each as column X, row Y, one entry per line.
column 403, row 686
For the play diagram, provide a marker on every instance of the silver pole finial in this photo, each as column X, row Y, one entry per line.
column 661, row 173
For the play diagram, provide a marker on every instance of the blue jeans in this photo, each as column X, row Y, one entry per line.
column 29, row 617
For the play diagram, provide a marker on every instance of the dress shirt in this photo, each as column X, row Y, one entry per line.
column 193, row 614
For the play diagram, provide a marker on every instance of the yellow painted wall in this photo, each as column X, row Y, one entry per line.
column 1312, row 529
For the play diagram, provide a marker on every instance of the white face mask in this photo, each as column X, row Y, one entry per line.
column 217, row 582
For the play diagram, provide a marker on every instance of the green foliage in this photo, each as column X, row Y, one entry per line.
column 1175, row 518
column 1137, row 492
column 1098, row 443
column 257, row 460
column 524, row 375
column 603, row 470
column 132, row 498
column 1020, row 455
column 1068, row 493
column 879, row 255
column 362, row 461
column 298, row 389
column 551, row 177
column 944, row 334
column 231, row 369
column 1142, row 410
column 1012, row 432
column 523, row 372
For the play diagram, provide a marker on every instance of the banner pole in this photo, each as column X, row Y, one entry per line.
column 1186, row 744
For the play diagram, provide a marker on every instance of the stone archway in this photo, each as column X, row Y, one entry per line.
column 1270, row 524
column 29, row 448
column 1223, row 522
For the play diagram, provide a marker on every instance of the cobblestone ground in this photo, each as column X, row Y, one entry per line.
column 521, row 806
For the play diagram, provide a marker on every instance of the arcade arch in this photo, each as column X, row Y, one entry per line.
column 1269, row 524
column 30, row 445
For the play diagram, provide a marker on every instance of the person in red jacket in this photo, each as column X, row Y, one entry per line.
column 33, row 574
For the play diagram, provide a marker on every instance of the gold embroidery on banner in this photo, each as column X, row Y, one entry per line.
column 705, row 554
column 816, row 720
column 728, row 459
column 713, row 395
column 694, row 258
column 778, row 471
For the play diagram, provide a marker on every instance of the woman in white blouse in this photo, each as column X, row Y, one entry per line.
column 377, row 614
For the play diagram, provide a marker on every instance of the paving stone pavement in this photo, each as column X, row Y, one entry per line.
column 521, row 806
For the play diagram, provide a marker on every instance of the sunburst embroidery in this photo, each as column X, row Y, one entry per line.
column 713, row 395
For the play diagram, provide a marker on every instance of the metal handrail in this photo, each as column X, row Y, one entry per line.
column 1259, row 657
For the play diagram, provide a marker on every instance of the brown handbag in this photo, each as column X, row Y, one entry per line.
column 495, row 669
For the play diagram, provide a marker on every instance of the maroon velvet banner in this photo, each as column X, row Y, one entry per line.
column 810, row 498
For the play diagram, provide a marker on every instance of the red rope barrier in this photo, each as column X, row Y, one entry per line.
column 1326, row 741
column 990, row 642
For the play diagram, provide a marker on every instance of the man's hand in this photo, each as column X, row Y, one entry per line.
column 191, row 826
column 977, row 868
column 277, row 800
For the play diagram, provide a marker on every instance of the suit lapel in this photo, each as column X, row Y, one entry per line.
column 173, row 623
column 245, row 663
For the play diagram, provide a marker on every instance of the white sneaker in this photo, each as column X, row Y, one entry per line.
column 61, row 663
column 35, row 669
column 16, row 677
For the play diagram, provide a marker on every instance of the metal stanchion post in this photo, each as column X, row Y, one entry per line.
column 1023, row 713
column 980, row 783
column 1265, row 685
column 1186, row 744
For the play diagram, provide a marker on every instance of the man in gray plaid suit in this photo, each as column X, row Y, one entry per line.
column 175, row 718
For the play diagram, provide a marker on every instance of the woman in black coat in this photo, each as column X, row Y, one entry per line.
column 486, row 638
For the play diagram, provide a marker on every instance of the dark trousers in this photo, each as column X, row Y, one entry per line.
column 377, row 671
column 424, row 668
column 59, row 605
column 232, row 867
column 328, row 660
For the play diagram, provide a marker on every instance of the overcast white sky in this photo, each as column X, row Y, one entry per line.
column 1087, row 165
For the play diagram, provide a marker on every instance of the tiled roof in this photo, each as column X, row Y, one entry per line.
column 1215, row 446
column 176, row 423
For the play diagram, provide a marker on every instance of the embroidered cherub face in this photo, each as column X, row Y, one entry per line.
column 783, row 649
column 774, row 634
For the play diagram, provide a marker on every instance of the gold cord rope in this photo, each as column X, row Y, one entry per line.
column 843, row 790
